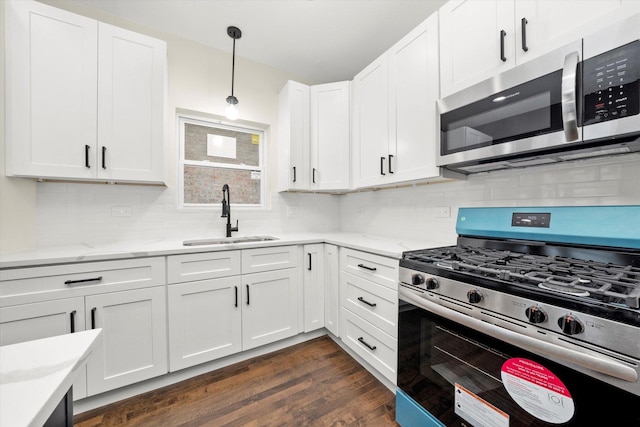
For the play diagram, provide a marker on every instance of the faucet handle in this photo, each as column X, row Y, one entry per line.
column 236, row 227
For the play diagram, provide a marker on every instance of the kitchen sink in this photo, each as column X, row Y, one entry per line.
column 228, row 240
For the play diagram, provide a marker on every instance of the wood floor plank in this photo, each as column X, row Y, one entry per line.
column 314, row 383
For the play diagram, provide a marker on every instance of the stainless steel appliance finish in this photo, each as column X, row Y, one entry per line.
column 562, row 106
column 555, row 287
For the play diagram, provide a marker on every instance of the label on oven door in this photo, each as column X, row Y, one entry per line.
column 477, row 411
column 537, row 390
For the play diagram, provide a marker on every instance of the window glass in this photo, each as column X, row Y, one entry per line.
column 213, row 154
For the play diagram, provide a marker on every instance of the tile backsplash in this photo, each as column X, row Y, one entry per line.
column 69, row 213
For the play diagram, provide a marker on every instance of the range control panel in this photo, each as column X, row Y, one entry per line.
column 611, row 84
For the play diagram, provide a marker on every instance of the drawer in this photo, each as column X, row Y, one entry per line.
column 272, row 258
column 375, row 303
column 202, row 266
column 370, row 343
column 26, row 285
column 376, row 268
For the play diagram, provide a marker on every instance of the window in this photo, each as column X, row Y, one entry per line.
column 213, row 154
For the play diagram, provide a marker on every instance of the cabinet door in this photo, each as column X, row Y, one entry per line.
column 204, row 321
column 134, row 345
column 470, row 42
column 293, row 137
column 26, row 322
column 550, row 25
column 131, row 91
column 413, row 90
column 330, row 106
column 371, row 124
column 270, row 306
column 331, row 289
column 51, row 91
column 313, row 277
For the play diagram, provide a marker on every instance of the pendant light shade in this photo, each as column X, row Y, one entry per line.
column 232, row 111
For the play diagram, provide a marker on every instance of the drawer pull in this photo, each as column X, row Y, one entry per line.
column 364, row 343
column 370, row 304
column 72, row 320
column 367, row 268
column 74, row 282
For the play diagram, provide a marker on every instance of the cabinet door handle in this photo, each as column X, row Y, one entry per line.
column 503, row 33
column 93, row 318
column 72, row 321
column 313, row 175
column 524, row 23
column 236, row 295
column 86, row 156
column 370, row 304
column 382, row 159
column 390, row 158
column 366, row 344
column 247, row 294
column 309, row 261
column 104, row 157
column 294, row 174
column 367, row 268
column 74, row 282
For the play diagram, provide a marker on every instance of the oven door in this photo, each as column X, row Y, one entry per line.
column 465, row 378
column 529, row 108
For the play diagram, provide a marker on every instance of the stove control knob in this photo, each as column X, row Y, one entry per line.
column 570, row 325
column 474, row 296
column 432, row 283
column 417, row 279
column 536, row 315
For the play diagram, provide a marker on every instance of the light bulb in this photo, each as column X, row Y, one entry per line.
column 232, row 112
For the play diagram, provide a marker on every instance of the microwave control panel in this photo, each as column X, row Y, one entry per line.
column 611, row 84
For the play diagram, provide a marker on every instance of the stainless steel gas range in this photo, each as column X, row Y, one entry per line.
column 533, row 318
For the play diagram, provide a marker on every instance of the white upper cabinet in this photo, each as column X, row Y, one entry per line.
column 293, row 137
column 479, row 39
column 471, row 34
column 330, row 136
column 85, row 100
column 131, row 81
column 394, row 125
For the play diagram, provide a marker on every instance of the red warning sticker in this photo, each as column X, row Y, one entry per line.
column 537, row 390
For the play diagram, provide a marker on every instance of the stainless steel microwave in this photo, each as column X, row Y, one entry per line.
column 579, row 101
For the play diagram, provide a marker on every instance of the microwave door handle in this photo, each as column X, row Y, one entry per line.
column 552, row 351
column 569, row 111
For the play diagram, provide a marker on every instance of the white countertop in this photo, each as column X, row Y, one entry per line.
column 381, row 245
column 35, row 375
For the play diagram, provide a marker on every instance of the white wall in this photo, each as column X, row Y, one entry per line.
column 410, row 212
column 44, row 214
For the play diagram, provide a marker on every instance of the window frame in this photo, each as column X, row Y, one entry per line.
column 182, row 120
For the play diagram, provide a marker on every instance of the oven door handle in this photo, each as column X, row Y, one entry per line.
column 549, row 350
column 569, row 109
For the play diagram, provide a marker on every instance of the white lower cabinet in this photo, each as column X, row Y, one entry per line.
column 46, row 319
column 332, row 289
column 126, row 298
column 224, row 302
column 369, row 308
column 205, row 321
column 314, row 286
column 270, row 306
column 134, row 345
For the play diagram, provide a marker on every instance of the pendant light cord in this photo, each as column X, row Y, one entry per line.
column 233, row 65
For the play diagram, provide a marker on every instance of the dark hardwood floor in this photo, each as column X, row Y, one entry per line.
column 314, row 383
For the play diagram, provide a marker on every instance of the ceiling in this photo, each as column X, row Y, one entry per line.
column 317, row 41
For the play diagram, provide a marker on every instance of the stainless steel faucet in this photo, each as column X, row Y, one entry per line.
column 226, row 209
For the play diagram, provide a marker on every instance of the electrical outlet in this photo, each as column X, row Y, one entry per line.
column 442, row 212
column 361, row 211
column 121, row 211
column 292, row 211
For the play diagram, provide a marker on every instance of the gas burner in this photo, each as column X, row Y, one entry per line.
column 586, row 279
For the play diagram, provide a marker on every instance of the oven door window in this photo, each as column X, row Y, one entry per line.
column 530, row 109
column 458, row 375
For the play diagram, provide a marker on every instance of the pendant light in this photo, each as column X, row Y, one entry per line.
column 232, row 111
